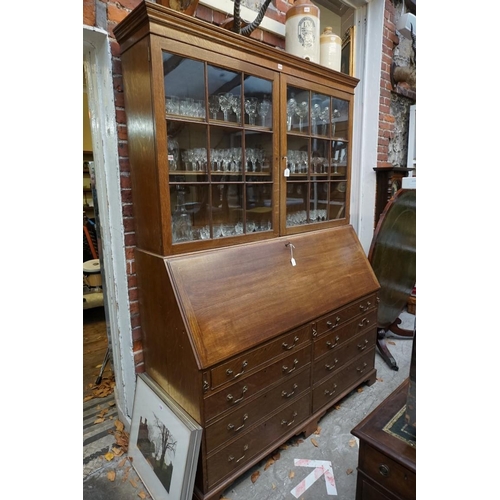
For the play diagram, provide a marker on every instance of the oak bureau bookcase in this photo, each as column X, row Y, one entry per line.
column 258, row 305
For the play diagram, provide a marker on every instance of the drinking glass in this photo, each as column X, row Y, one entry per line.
column 325, row 118
column 301, row 111
column 290, row 111
column 263, row 109
column 315, row 116
column 225, row 102
column 251, row 109
column 187, row 106
column 214, row 106
column 236, row 107
column 173, row 105
column 335, row 117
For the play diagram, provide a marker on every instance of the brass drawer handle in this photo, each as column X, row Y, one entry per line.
column 285, row 368
column 332, row 392
column 331, row 367
column 288, row 424
column 289, row 394
column 243, row 366
column 315, row 332
column 231, row 458
column 362, row 346
column 384, row 470
column 230, row 427
column 366, row 307
column 331, row 325
column 230, row 397
column 364, row 321
column 330, row 345
column 288, row 347
column 361, row 370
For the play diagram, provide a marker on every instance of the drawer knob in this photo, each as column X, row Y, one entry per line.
column 231, row 398
column 231, row 458
column 285, row 368
column 332, row 392
column 361, row 370
column 364, row 321
column 384, row 470
column 331, row 367
column 243, row 366
column 362, row 346
column 331, row 325
column 330, row 345
column 289, row 394
column 289, row 423
column 365, row 307
column 230, row 427
column 288, row 347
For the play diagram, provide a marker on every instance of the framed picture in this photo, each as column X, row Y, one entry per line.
column 164, row 442
column 347, row 53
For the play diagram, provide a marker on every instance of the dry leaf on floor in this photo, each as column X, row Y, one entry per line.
column 274, row 486
column 141, row 494
column 122, row 462
column 112, row 403
column 292, row 474
column 352, row 442
column 99, row 420
column 338, row 407
column 119, row 425
column 380, row 379
column 117, row 451
column 317, row 431
column 109, row 456
column 349, row 471
column 360, row 389
column 111, row 475
column 87, row 398
column 314, row 442
column 133, row 482
column 268, row 464
column 276, row 456
column 391, row 342
column 255, row 476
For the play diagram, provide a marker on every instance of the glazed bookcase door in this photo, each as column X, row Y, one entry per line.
column 221, row 142
column 315, row 164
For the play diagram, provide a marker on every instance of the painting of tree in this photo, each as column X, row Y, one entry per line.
column 157, row 444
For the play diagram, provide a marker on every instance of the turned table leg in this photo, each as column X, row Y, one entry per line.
column 384, row 350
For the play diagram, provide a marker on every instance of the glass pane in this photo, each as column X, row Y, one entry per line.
column 184, row 86
column 296, row 203
column 319, row 160
column 258, row 101
column 339, row 159
column 340, row 118
column 224, row 91
column 297, row 110
column 225, row 154
column 188, row 204
column 318, row 202
column 259, row 207
column 320, row 114
column 258, row 156
column 337, row 200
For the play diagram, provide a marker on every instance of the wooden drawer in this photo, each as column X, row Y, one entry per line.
column 255, row 358
column 238, row 421
column 335, row 339
column 329, row 390
column 246, row 388
column 388, row 473
column 334, row 320
column 366, row 489
column 241, row 451
column 338, row 357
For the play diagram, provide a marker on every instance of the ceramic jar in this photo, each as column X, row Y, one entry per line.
column 302, row 31
column 330, row 49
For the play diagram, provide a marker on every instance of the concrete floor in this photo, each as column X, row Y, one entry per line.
column 278, row 481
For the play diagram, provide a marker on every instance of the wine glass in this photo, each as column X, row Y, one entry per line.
column 236, row 107
column 263, row 109
column 290, row 111
column 335, row 117
column 214, row 106
column 325, row 118
column 251, row 109
column 301, row 111
column 225, row 102
column 315, row 115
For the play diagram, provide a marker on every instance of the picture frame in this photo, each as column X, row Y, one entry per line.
column 164, row 442
column 347, row 53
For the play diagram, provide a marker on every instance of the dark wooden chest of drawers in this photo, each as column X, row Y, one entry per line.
column 255, row 349
column 387, row 454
